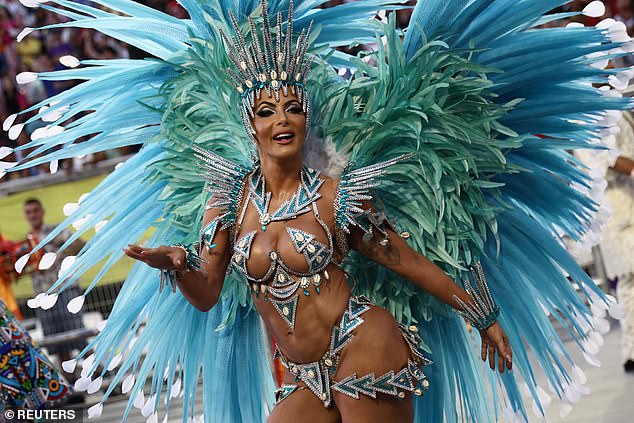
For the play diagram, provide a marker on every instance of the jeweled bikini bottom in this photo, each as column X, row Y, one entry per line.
column 318, row 375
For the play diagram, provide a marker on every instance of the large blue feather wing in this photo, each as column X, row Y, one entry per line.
column 491, row 106
column 168, row 104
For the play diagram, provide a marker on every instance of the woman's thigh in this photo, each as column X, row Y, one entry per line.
column 303, row 406
column 377, row 347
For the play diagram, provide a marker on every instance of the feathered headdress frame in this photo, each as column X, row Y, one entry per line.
column 267, row 62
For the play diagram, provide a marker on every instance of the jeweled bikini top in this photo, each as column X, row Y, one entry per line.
column 317, row 255
column 229, row 182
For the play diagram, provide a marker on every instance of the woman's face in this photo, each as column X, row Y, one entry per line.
column 280, row 126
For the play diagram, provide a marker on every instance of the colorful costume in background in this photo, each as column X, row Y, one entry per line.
column 7, row 277
column 28, row 380
column 485, row 107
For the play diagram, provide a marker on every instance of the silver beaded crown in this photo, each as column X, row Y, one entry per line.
column 272, row 63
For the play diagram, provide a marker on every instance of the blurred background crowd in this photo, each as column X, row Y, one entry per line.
column 41, row 51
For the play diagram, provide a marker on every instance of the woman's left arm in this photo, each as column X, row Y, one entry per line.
column 399, row 257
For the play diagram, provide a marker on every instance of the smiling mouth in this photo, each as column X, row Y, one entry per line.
column 284, row 138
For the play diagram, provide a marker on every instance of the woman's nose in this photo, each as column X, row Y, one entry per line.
column 282, row 117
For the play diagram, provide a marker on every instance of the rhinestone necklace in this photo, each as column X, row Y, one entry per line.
column 298, row 204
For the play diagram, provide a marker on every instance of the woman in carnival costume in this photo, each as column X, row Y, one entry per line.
column 451, row 141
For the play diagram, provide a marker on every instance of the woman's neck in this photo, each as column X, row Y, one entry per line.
column 282, row 177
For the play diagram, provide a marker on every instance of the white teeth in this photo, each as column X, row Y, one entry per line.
column 283, row 136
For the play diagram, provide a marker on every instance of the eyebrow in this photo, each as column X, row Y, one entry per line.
column 268, row 103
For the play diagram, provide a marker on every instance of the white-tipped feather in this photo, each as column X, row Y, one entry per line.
column 48, row 301
column 578, row 375
column 47, row 261
column 139, row 400
column 596, row 338
column 66, row 264
column 69, row 366
column 77, row 224
column 565, row 409
column 149, row 406
column 7, row 165
column 54, row 166
column 176, row 389
column 620, row 81
column 616, row 310
column 25, row 77
column 5, row 151
column 95, row 385
column 55, row 130
column 594, row 9
column 81, row 384
column 102, row 325
column 24, row 33
column 95, row 411
column 69, row 61
column 70, row 208
column 86, row 365
column 30, row 3
column 75, row 305
column 21, row 262
column 39, row 133
column 100, row 225
column 592, row 360
column 601, row 325
column 8, row 122
column 116, row 360
column 127, row 384
column 15, row 130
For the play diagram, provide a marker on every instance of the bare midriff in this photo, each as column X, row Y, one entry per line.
column 316, row 316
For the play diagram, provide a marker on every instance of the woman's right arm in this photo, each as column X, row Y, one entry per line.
column 200, row 287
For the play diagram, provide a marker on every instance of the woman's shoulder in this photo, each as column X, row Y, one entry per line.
column 329, row 187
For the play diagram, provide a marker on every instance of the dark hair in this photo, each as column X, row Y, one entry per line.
column 32, row 200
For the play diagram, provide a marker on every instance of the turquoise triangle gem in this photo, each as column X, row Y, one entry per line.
column 348, row 324
column 363, row 385
column 345, row 387
column 209, row 232
column 402, row 380
column 382, row 384
column 287, row 309
column 339, row 340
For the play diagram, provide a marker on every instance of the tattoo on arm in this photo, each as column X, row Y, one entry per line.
column 387, row 256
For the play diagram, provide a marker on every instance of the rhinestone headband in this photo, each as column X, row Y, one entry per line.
column 270, row 63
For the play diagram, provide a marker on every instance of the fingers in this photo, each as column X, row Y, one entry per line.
column 492, row 356
column 136, row 248
column 509, row 354
column 483, row 352
column 135, row 255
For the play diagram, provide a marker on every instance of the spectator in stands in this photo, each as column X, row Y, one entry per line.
column 57, row 319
